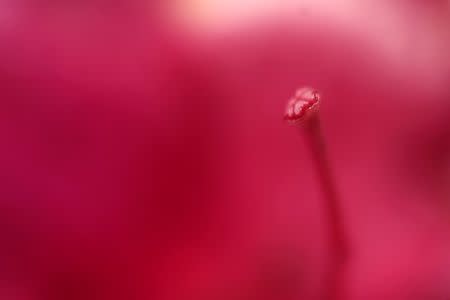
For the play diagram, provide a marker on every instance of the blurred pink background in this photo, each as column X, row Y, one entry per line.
column 143, row 153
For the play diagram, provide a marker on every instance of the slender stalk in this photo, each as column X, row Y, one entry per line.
column 303, row 112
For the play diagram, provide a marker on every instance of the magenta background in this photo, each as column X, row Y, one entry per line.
column 139, row 161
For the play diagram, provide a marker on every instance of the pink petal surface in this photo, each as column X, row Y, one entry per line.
column 141, row 163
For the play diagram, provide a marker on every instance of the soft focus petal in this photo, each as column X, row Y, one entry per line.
column 141, row 162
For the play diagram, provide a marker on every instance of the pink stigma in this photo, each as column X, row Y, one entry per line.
column 303, row 105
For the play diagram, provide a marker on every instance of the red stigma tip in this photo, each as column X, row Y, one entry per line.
column 303, row 105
